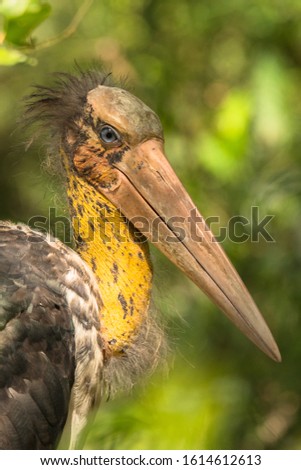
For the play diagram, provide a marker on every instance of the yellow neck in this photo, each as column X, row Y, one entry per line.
column 118, row 258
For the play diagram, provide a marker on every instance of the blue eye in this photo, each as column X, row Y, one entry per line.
column 108, row 135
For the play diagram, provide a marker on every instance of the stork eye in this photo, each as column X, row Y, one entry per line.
column 108, row 135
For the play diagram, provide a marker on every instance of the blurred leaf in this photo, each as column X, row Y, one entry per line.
column 13, row 8
column 233, row 118
column 223, row 149
column 21, row 19
column 271, row 87
column 10, row 57
column 215, row 157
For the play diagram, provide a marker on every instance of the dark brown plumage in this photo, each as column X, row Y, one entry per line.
column 36, row 341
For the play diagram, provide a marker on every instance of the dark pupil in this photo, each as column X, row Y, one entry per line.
column 108, row 135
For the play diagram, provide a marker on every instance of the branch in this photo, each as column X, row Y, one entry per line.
column 71, row 28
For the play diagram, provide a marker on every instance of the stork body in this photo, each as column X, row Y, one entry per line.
column 72, row 321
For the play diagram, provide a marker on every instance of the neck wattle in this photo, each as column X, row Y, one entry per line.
column 119, row 259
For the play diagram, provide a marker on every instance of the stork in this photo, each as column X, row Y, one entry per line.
column 72, row 319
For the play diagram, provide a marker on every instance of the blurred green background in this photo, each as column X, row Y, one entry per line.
column 224, row 76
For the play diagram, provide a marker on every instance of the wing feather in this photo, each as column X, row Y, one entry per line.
column 36, row 342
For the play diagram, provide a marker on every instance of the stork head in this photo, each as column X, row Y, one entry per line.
column 115, row 142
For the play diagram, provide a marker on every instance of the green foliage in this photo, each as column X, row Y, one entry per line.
column 225, row 78
column 20, row 19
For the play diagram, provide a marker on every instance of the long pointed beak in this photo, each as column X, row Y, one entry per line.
column 151, row 196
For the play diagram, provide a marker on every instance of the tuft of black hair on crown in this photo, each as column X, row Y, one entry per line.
column 57, row 107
